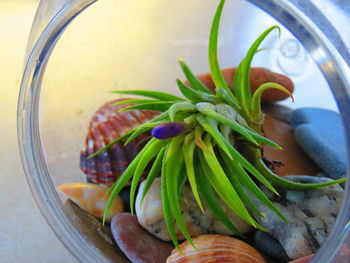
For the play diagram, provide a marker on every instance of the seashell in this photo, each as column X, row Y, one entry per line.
column 92, row 198
column 215, row 248
column 303, row 259
column 105, row 126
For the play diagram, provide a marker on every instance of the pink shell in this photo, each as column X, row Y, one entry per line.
column 303, row 259
column 92, row 198
column 215, row 249
column 105, row 126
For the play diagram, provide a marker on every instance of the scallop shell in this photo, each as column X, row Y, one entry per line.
column 92, row 198
column 215, row 248
column 303, row 259
column 105, row 126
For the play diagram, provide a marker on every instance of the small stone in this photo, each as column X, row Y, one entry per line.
column 295, row 196
column 321, row 204
column 270, row 246
column 321, row 174
column 292, row 157
column 320, row 133
column 92, row 198
column 311, row 216
column 136, row 243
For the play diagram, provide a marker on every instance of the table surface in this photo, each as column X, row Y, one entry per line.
column 25, row 236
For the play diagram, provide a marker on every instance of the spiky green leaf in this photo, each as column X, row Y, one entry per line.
column 215, row 70
column 151, row 151
column 232, row 174
column 188, row 152
column 212, row 200
column 124, row 179
column 261, row 139
column 278, row 180
column 168, row 215
column 137, row 101
column 153, row 173
column 142, row 129
column 156, row 106
column 109, row 145
column 182, row 181
column 245, row 179
column 245, row 71
column 206, row 109
column 225, row 96
column 195, row 95
column 187, row 107
column 151, row 94
column 256, row 113
column 192, row 79
column 250, row 168
column 172, row 173
column 210, row 126
column 223, row 187
column 198, row 132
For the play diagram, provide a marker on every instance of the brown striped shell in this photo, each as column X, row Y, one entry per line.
column 303, row 259
column 215, row 249
column 105, row 126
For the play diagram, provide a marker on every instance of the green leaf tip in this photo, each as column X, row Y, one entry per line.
column 215, row 70
column 242, row 77
column 151, row 94
column 256, row 113
column 192, row 79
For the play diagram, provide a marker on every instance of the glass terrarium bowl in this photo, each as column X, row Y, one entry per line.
column 111, row 45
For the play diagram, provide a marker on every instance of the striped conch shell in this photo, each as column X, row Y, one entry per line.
column 92, row 198
column 215, row 249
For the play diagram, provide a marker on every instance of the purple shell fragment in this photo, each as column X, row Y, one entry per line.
column 169, row 130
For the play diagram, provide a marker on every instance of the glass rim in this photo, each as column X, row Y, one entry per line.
column 332, row 65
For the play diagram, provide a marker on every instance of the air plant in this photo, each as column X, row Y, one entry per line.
column 195, row 141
